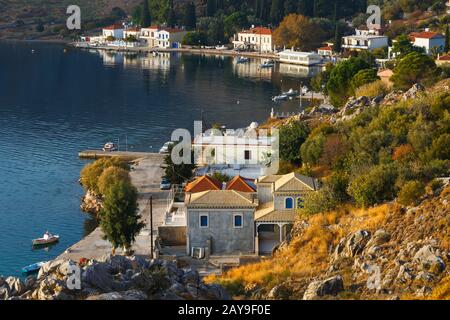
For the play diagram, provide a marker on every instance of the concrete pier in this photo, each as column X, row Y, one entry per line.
column 95, row 154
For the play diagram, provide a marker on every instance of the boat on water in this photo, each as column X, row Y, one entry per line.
column 109, row 146
column 32, row 268
column 222, row 47
column 267, row 64
column 280, row 97
column 291, row 92
column 47, row 239
column 243, row 59
column 165, row 148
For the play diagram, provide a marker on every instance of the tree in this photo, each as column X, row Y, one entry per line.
column 195, row 38
column 234, row 22
column 292, row 136
column 189, row 16
column 447, row 39
column 402, row 46
column 110, row 176
column 211, row 6
column 363, row 77
column 145, row 15
column 177, row 173
column 414, row 68
column 276, row 11
column 338, row 85
column 299, row 32
column 90, row 174
column 171, row 19
column 119, row 219
column 337, row 43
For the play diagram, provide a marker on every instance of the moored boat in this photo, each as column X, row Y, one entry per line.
column 243, row 59
column 109, row 146
column 45, row 240
column 291, row 92
column 267, row 64
column 279, row 97
column 33, row 267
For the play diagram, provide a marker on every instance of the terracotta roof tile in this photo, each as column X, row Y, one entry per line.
column 241, row 184
column 203, row 183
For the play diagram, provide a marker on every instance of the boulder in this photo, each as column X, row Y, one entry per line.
column 190, row 277
column 279, row 292
column 50, row 267
column 16, row 286
column 99, row 276
column 124, row 295
column 4, row 293
column 320, row 288
column 429, row 260
column 117, row 263
column 413, row 92
column 217, row 292
column 91, row 203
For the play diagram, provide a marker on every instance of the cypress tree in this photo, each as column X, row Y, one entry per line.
column 189, row 18
column 211, row 7
column 447, row 39
column 145, row 19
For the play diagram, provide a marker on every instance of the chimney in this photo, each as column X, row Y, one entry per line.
column 427, row 29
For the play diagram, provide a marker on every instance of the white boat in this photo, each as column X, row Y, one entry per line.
column 165, row 148
column 267, row 64
column 280, row 97
column 32, row 268
column 291, row 92
column 222, row 47
column 109, row 146
column 46, row 240
column 243, row 59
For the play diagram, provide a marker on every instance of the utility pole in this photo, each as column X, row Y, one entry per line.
column 151, row 226
column 300, row 96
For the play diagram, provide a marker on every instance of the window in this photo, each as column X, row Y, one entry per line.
column 238, row 220
column 204, row 221
column 299, row 203
column 247, row 154
column 289, row 203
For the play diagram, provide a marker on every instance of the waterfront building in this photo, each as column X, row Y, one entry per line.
column 159, row 37
column 430, row 41
column 365, row 40
column 149, row 35
column 302, row 58
column 115, row 31
column 132, row 32
column 256, row 38
column 326, row 51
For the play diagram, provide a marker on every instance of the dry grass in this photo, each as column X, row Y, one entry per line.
column 308, row 253
column 442, row 290
column 372, row 89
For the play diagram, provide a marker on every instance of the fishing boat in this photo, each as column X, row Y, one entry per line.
column 32, row 268
column 109, row 146
column 222, row 47
column 267, row 64
column 46, row 240
column 280, row 97
column 243, row 59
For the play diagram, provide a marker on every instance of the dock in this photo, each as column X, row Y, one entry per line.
column 96, row 154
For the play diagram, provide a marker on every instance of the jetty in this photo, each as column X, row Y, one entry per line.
column 96, row 154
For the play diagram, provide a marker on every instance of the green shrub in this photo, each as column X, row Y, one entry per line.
column 410, row 193
column 91, row 173
column 222, row 177
column 364, row 77
column 110, row 176
column 372, row 89
column 374, row 186
column 319, row 201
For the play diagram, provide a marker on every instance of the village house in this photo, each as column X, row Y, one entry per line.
column 245, row 217
column 432, row 42
column 159, row 37
column 133, row 32
column 257, row 39
column 302, row 58
column 326, row 51
column 443, row 60
column 149, row 35
column 115, row 31
column 279, row 197
column 364, row 40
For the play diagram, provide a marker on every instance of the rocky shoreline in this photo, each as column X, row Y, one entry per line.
column 111, row 278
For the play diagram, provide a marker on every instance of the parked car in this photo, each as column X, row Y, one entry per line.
column 165, row 184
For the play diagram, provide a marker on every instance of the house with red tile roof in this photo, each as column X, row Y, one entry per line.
column 326, row 51
column 430, row 41
column 255, row 38
column 444, row 59
column 115, row 30
column 241, row 184
column 203, row 183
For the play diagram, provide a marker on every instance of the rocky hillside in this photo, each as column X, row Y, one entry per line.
column 384, row 252
column 112, row 278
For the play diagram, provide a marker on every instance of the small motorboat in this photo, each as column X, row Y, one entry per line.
column 165, row 148
column 291, row 92
column 280, row 97
column 222, row 47
column 50, row 239
column 243, row 59
column 32, row 268
column 267, row 64
column 109, row 146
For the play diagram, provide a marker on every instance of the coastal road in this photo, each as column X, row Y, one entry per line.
column 145, row 176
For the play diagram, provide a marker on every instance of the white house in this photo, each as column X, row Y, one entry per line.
column 156, row 36
column 326, row 51
column 430, row 41
column 297, row 57
column 365, row 40
column 115, row 30
column 132, row 32
column 258, row 39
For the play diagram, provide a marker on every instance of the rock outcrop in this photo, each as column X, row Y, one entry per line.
column 111, row 278
column 91, row 203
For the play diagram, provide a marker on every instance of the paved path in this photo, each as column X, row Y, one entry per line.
column 146, row 177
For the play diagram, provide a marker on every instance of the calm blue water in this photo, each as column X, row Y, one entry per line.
column 54, row 104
